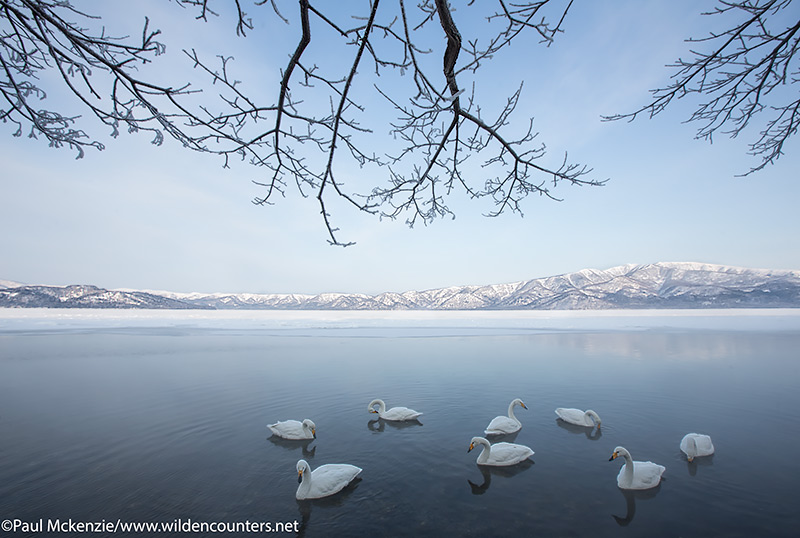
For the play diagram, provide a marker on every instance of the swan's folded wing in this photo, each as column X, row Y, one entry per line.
column 401, row 413
column 502, row 424
column 510, row 453
column 647, row 474
column 288, row 429
column 704, row 445
column 573, row 416
column 332, row 478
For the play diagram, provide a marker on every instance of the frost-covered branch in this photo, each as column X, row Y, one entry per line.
column 744, row 73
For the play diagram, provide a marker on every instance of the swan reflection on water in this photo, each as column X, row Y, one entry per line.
column 378, row 424
column 487, row 472
column 304, row 507
column 631, row 496
column 706, row 461
column 591, row 433
column 294, row 445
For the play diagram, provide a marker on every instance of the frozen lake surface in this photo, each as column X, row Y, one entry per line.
column 154, row 416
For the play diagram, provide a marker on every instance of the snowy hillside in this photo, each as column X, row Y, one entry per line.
column 659, row 285
column 85, row 297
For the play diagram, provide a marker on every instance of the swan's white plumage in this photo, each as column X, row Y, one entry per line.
column 578, row 416
column 696, row 444
column 294, row 429
column 637, row 474
column 395, row 413
column 325, row 480
column 506, row 424
column 500, row 454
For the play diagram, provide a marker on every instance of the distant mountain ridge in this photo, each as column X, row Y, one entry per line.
column 81, row 296
column 657, row 285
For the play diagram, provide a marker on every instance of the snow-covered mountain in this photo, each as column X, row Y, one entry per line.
column 658, row 285
column 85, row 297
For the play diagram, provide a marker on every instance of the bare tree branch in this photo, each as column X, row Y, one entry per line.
column 743, row 76
column 441, row 141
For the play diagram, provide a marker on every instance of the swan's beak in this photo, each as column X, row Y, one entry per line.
column 471, row 446
column 373, row 411
column 613, row 456
column 299, row 477
column 314, row 432
column 523, row 405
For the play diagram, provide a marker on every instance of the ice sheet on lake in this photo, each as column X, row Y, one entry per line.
column 394, row 323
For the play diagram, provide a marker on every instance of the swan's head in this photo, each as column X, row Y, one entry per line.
column 477, row 441
column 619, row 451
column 519, row 403
column 308, row 423
column 302, row 467
column 373, row 403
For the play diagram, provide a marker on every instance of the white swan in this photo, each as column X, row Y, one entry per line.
column 395, row 413
column 325, row 480
column 696, row 444
column 637, row 474
column 578, row 416
column 500, row 454
column 294, row 429
column 502, row 424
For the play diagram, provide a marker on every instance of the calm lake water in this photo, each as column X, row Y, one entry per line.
column 157, row 417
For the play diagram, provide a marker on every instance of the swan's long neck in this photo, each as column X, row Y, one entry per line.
column 691, row 448
column 592, row 418
column 381, row 406
column 487, row 449
column 511, row 411
column 305, row 483
column 628, row 476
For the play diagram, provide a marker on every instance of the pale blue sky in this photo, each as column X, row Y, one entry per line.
column 146, row 217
